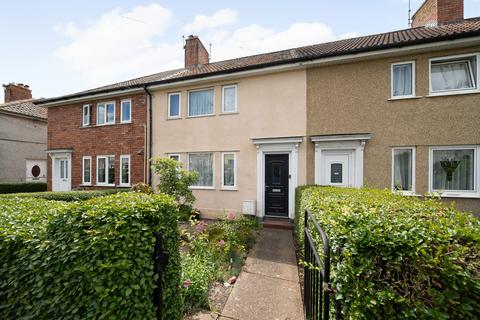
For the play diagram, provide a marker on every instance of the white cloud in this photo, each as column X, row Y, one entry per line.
column 201, row 21
column 349, row 35
column 120, row 44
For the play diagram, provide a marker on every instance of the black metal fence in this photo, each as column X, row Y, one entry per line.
column 160, row 260
column 317, row 289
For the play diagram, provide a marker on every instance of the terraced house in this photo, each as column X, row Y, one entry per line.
column 397, row 110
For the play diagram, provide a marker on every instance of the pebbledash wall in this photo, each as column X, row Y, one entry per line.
column 338, row 103
column 268, row 106
column 65, row 131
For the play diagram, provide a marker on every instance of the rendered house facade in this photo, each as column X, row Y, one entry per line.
column 396, row 110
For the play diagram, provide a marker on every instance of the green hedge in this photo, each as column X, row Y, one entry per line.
column 66, row 195
column 397, row 257
column 23, row 187
column 87, row 260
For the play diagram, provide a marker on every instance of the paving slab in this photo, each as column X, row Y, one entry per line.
column 268, row 287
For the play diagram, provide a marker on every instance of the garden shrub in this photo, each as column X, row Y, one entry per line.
column 87, row 260
column 67, row 196
column 397, row 257
column 23, row 187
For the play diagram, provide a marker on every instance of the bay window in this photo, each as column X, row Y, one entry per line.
column 106, row 113
column 403, row 170
column 454, row 170
column 454, row 74
column 203, row 164
column 200, row 103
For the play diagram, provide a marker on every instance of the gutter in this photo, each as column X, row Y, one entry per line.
column 281, row 65
column 148, row 142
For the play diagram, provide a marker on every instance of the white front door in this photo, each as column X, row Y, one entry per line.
column 338, row 169
column 61, row 176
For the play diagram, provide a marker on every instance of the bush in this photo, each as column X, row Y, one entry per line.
column 23, row 187
column 67, row 196
column 397, row 257
column 87, row 260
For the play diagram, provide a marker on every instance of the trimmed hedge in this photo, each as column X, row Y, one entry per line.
column 22, row 187
column 397, row 257
column 87, row 260
column 67, row 196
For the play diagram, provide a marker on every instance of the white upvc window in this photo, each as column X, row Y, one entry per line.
column 453, row 171
column 229, row 99
column 403, row 80
column 174, row 105
column 201, row 102
column 403, row 170
column 229, row 170
column 106, row 113
column 174, row 156
column 125, row 170
column 203, row 164
column 87, row 170
column 454, row 74
column 126, row 111
column 86, row 115
column 106, row 170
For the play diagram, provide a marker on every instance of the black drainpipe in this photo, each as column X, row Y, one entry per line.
column 149, row 131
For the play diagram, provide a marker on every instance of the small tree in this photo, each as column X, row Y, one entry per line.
column 175, row 180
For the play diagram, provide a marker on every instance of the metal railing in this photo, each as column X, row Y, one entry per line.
column 317, row 289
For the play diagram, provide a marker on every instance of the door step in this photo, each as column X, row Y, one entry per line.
column 276, row 223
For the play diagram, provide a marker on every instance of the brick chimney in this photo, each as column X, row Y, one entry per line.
column 438, row 12
column 195, row 52
column 16, row 91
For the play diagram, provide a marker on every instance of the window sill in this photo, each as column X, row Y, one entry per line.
column 202, row 116
column 202, row 188
column 404, row 98
column 123, row 186
column 457, row 195
column 406, row 193
column 229, row 189
column 228, row 113
column 125, row 122
column 174, row 118
column 452, row 93
column 105, row 185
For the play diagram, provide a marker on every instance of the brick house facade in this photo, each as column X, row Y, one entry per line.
column 66, row 132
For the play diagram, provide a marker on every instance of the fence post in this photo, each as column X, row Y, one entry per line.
column 160, row 260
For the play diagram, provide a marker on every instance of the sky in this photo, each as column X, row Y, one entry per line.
column 60, row 47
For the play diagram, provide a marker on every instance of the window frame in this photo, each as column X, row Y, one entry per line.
column 83, row 170
column 456, row 193
column 459, row 57
column 170, row 155
column 234, row 187
column 236, row 98
column 414, row 151
column 188, row 102
column 105, row 115
column 107, row 164
column 88, row 107
column 212, row 187
column 121, row 111
column 413, row 95
column 123, row 184
column 179, row 116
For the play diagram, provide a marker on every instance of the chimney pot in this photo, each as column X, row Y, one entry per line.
column 438, row 12
column 195, row 52
column 15, row 92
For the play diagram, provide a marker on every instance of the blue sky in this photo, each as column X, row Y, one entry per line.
column 59, row 47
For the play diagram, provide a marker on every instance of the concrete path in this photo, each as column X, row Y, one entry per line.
column 268, row 287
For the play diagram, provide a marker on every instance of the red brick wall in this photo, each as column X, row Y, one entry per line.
column 15, row 92
column 438, row 12
column 195, row 52
column 65, row 131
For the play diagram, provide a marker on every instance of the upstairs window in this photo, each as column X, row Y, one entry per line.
column 126, row 111
column 86, row 115
column 106, row 113
column 229, row 99
column 173, row 105
column 455, row 74
column 200, row 103
column 403, row 80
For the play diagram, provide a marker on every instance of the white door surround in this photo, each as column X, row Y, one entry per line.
column 61, row 169
column 277, row 146
column 345, row 153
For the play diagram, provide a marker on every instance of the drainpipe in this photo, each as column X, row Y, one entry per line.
column 149, row 135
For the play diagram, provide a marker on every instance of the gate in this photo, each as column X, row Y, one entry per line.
column 317, row 289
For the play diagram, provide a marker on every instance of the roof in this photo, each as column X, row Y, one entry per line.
column 24, row 108
column 382, row 41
